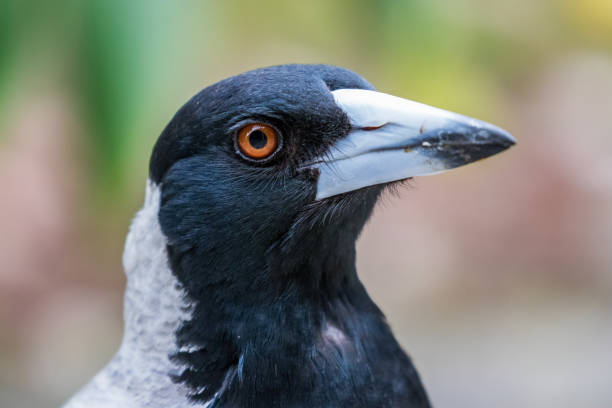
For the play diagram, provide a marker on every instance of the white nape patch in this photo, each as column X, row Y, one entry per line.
column 155, row 306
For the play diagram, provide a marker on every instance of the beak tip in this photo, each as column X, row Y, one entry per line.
column 509, row 140
column 500, row 140
column 502, row 136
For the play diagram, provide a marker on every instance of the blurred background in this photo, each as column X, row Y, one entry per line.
column 497, row 277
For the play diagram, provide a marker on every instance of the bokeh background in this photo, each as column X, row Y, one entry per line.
column 497, row 277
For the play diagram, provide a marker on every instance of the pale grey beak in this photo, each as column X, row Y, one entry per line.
column 394, row 139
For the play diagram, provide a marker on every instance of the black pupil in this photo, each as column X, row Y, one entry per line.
column 258, row 139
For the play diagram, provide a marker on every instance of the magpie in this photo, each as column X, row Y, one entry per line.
column 242, row 289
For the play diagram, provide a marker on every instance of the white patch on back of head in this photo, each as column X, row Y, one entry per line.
column 155, row 306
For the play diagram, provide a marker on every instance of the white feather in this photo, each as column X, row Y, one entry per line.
column 155, row 305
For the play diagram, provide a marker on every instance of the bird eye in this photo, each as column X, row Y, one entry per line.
column 258, row 141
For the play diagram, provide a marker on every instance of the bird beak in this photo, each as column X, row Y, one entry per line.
column 395, row 139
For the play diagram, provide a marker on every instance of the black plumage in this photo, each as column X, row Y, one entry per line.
column 266, row 181
column 281, row 317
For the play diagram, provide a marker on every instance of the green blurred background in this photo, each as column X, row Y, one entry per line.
column 497, row 277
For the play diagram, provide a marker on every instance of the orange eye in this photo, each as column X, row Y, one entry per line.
column 258, row 141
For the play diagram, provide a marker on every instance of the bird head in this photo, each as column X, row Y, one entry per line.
column 259, row 188
column 275, row 171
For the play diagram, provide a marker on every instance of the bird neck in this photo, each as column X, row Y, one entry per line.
column 285, row 340
column 291, row 347
column 298, row 329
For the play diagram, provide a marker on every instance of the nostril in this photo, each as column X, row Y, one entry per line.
column 372, row 127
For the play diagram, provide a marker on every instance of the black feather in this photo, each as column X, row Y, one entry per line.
column 267, row 266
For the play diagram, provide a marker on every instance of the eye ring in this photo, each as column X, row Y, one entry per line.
column 258, row 141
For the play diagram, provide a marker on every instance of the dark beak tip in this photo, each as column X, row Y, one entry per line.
column 500, row 140
column 506, row 144
column 496, row 141
column 509, row 140
column 503, row 137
